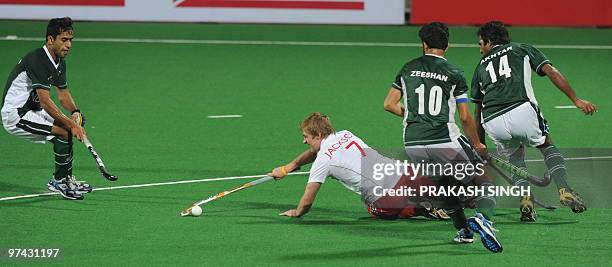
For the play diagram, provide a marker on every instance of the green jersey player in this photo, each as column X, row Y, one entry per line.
column 29, row 112
column 508, row 111
column 433, row 90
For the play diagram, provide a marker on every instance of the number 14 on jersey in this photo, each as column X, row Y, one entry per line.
column 504, row 69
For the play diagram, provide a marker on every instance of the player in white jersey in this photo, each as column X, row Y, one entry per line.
column 340, row 155
column 345, row 157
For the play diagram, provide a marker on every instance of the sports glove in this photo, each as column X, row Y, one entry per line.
column 78, row 117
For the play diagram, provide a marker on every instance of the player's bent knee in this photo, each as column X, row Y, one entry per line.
column 60, row 132
column 546, row 144
column 548, row 141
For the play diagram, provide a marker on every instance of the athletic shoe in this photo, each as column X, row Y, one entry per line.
column 464, row 236
column 65, row 188
column 572, row 200
column 479, row 224
column 81, row 186
column 528, row 212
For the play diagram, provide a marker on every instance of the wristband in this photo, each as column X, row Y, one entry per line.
column 283, row 170
column 75, row 111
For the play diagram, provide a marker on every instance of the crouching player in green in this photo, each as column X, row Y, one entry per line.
column 508, row 110
column 29, row 112
column 341, row 155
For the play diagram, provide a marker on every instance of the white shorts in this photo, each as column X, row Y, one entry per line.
column 457, row 150
column 521, row 125
column 34, row 126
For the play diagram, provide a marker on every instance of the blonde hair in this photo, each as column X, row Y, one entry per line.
column 317, row 124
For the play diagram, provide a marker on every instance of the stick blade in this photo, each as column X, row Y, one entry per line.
column 110, row 177
column 186, row 211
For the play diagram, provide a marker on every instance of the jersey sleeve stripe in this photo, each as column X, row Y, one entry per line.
column 38, row 85
column 538, row 69
column 461, row 100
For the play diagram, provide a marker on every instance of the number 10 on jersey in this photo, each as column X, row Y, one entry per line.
column 435, row 100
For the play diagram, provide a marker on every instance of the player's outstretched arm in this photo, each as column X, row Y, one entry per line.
column 306, row 157
column 306, row 202
column 44, row 96
column 557, row 78
column 392, row 102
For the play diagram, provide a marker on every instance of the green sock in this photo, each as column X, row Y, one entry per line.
column 63, row 157
column 556, row 165
column 518, row 159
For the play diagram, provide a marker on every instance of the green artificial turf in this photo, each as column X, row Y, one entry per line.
column 147, row 105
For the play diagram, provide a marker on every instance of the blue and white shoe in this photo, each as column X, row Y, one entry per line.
column 464, row 236
column 81, row 186
column 479, row 224
column 65, row 188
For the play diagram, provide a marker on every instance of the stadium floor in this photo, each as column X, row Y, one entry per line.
column 147, row 104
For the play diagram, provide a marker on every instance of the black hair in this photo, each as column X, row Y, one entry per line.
column 494, row 32
column 58, row 25
column 435, row 35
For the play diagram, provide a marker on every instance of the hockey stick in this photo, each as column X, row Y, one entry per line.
column 522, row 174
column 95, row 155
column 187, row 210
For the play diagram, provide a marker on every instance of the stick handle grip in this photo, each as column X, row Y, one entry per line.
column 86, row 142
column 261, row 180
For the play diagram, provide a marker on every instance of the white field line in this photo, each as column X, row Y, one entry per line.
column 229, row 178
column 287, row 43
column 577, row 158
column 565, row 107
column 224, row 116
column 153, row 184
